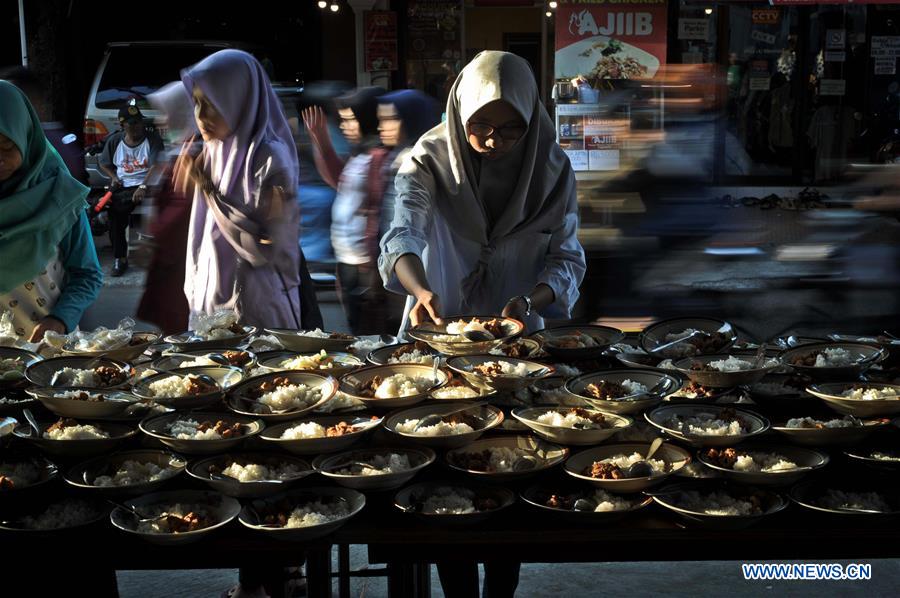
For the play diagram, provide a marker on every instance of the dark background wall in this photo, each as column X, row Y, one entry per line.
column 66, row 38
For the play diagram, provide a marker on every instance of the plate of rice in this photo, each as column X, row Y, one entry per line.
column 374, row 468
column 578, row 426
column 127, row 473
column 574, row 343
column 459, row 389
column 417, row 352
column 504, row 374
column 456, row 430
column 302, row 514
column 725, row 371
column 83, row 403
column 712, row 336
column 88, row 372
column 856, row 498
column 332, row 363
column 186, row 516
column 13, row 363
column 504, row 458
column 832, row 361
column 245, row 360
column 859, row 399
column 392, row 386
column 312, row 341
column 282, row 396
column 607, row 466
column 320, row 434
column 217, row 338
column 763, row 465
column 580, row 505
column 449, row 339
column 189, row 388
column 625, row 391
column 20, row 475
column 67, row 437
column 881, row 456
column 445, row 503
column 201, row 433
column 827, row 429
column 60, row 516
column 250, row 475
column 707, row 425
column 717, row 505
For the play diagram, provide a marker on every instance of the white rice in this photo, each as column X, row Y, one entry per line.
column 186, row 429
column 74, row 394
column 295, row 396
column 23, row 473
column 705, row 424
column 566, row 371
column 77, row 377
column 518, row 370
column 624, row 461
column 439, row 429
column 582, row 340
column 400, row 385
column 809, row 423
column 316, row 513
column 455, row 392
column 304, row 431
column 714, row 503
column 633, row 387
column 341, row 402
column 201, row 361
column 763, row 462
column 834, row 357
column 607, row 502
column 130, row 473
column 882, row 456
column 839, row 500
column 309, row 362
column 13, row 400
column 416, row 357
column 170, row 387
column 255, row 472
column 680, row 350
column 367, row 345
column 732, row 364
column 79, row 432
column 567, row 420
column 178, row 510
column 59, row 515
column 502, row 458
column 448, row 501
column 871, row 394
column 381, row 465
column 317, row 333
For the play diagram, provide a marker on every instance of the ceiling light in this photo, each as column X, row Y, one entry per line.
column 323, row 4
column 707, row 11
column 334, row 7
column 549, row 14
column 553, row 4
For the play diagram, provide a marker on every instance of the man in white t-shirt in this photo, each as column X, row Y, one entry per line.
column 128, row 157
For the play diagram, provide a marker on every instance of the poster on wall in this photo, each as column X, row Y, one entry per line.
column 434, row 30
column 381, row 40
column 597, row 40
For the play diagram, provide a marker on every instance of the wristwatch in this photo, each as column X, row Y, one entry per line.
column 142, row 187
column 527, row 301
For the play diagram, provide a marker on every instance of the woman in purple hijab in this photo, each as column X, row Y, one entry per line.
column 242, row 244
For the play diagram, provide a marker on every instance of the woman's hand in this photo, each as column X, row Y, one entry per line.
column 189, row 173
column 46, row 325
column 427, row 307
column 515, row 308
column 316, row 123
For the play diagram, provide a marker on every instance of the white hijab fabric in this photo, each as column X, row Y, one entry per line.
column 535, row 177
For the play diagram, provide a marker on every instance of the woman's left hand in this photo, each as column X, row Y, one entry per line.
column 49, row 323
column 515, row 308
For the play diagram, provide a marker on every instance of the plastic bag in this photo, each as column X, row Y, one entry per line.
column 102, row 339
column 8, row 336
column 264, row 342
column 216, row 325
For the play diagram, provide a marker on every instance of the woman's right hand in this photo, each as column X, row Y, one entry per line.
column 316, row 123
column 427, row 307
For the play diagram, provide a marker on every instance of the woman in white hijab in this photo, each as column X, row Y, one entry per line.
column 486, row 214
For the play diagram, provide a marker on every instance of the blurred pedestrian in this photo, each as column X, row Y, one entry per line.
column 486, row 213
column 350, row 219
column 163, row 302
column 128, row 158
column 243, row 252
column 49, row 273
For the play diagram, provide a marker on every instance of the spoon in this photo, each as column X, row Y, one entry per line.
column 855, row 510
column 31, row 420
column 216, row 357
column 539, row 373
column 478, row 336
column 259, row 519
column 675, row 342
column 347, row 465
column 134, row 513
column 584, row 504
column 642, row 468
column 435, row 368
column 434, row 418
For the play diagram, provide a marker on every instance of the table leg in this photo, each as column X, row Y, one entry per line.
column 401, row 579
column 318, row 572
column 344, row 570
column 423, row 580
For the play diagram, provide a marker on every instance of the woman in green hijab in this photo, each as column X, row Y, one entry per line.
column 49, row 273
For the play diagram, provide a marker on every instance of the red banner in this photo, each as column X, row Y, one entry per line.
column 597, row 39
column 381, row 40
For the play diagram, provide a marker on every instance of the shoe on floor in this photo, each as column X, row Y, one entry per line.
column 119, row 267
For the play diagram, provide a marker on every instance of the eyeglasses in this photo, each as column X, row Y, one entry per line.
column 508, row 133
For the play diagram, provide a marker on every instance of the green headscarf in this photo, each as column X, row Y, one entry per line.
column 40, row 203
